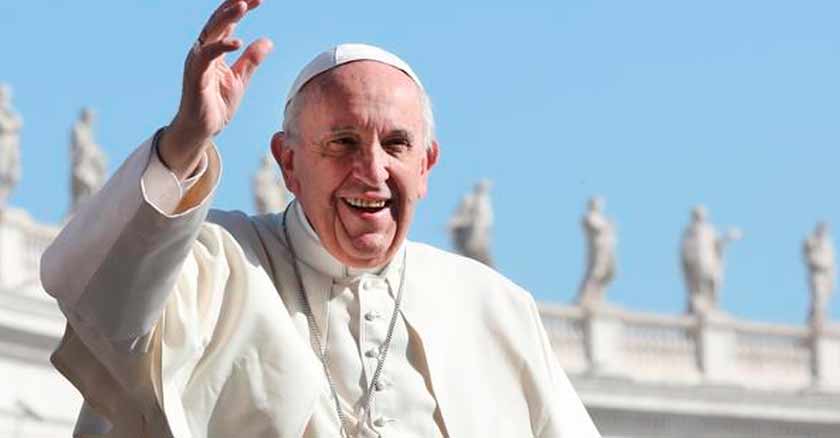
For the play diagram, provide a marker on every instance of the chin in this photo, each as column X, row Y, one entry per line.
column 369, row 257
column 368, row 251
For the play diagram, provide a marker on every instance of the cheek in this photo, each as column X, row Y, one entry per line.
column 411, row 188
column 419, row 182
column 321, row 180
column 321, row 194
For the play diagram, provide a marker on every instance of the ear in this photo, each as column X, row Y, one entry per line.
column 284, row 155
column 432, row 154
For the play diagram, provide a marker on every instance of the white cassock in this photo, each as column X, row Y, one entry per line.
column 192, row 325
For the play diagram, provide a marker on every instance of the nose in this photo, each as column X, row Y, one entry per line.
column 371, row 166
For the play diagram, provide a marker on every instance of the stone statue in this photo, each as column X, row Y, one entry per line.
column 10, row 126
column 89, row 166
column 470, row 225
column 270, row 194
column 702, row 262
column 600, row 262
column 818, row 251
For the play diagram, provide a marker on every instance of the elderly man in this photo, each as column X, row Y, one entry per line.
column 322, row 321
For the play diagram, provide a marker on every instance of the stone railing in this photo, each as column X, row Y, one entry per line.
column 600, row 341
column 22, row 242
column 685, row 349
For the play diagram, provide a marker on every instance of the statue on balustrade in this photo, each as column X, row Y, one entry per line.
column 270, row 194
column 600, row 262
column 703, row 262
column 89, row 162
column 471, row 224
column 10, row 126
column 818, row 251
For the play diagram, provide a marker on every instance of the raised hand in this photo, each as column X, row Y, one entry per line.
column 211, row 89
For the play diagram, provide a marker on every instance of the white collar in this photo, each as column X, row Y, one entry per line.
column 311, row 252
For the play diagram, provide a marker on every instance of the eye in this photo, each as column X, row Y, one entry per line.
column 340, row 146
column 396, row 145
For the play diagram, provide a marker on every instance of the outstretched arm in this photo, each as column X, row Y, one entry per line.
column 114, row 264
column 139, row 245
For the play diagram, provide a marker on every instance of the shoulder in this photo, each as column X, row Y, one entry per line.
column 243, row 226
column 462, row 268
column 254, row 235
column 463, row 301
column 468, row 281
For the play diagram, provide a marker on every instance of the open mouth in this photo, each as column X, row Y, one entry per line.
column 367, row 205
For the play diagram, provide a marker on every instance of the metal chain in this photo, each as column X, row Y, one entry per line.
column 321, row 351
column 383, row 352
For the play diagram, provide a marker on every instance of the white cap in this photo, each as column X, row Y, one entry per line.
column 342, row 54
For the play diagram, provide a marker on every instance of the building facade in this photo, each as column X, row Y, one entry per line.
column 641, row 375
column 35, row 401
column 660, row 376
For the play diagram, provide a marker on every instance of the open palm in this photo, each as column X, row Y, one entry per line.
column 212, row 89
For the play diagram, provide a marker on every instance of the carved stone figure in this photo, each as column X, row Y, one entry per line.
column 270, row 194
column 702, row 262
column 10, row 126
column 89, row 166
column 818, row 252
column 471, row 224
column 600, row 245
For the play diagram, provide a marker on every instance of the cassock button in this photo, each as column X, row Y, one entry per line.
column 373, row 352
column 376, row 284
column 379, row 422
column 371, row 316
column 380, row 386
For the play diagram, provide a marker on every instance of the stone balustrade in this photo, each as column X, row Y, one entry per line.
column 601, row 340
column 22, row 242
column 611, row 342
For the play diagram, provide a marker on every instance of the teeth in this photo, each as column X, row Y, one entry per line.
column 356, row 202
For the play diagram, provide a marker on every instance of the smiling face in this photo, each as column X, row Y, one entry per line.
column 358, row 161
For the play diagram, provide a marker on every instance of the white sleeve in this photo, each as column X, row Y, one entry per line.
column 114, row 264
column 140, row 276
column 133, row 392
column 163, row 189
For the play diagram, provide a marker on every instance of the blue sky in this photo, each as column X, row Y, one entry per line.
column 656, row 105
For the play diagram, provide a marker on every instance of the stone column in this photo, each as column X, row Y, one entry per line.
column 825, row 357
column 12, row 270
column 715, row 348
column 603, row 334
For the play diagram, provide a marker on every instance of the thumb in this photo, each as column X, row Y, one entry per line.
column 251, row 58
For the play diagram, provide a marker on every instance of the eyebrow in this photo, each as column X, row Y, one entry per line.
column 399, row 132
column 342, row 129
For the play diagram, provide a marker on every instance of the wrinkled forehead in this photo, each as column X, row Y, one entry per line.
column 343, row 54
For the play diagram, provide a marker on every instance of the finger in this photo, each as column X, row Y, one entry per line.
column 224, row 19
column 251, row 58
column 210, row 51
column 252, row 4
column 213, row 19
